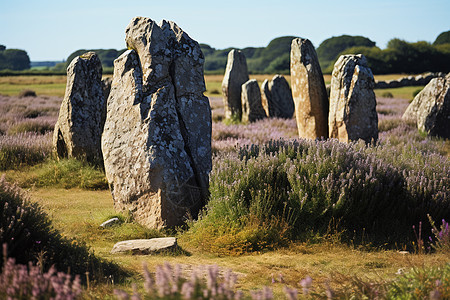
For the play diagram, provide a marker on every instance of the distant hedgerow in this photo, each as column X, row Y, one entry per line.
column 264, row 195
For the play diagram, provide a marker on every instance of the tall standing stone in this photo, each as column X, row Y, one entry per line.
column 252, row 109
column 157, row 137
column 81, row 117
column 266, row 97
column 308, row 91
column 353, row 113
column 278, row 96
column 430, row 109
column 236, row 74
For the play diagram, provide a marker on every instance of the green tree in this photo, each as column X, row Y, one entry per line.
column 13, row 59
column 106, row 56
column 443, row 38
column 329, row 50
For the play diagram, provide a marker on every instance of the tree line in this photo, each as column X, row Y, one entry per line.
column 399, row 56
column 13, row 59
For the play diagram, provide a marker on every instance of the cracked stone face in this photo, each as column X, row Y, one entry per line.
column 308, row 91
column 277, row 98
column 157, row 137
column 430, row 109
column 353, row 112
column 82, row 114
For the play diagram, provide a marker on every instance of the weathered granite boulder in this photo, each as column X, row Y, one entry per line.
column 157, row 136
column 145, row 246
column 308, row 90
column 278, row 98
column 353, row 113
column 430, row 109
column 81, row 117
column 236, row 74
column 252, row 109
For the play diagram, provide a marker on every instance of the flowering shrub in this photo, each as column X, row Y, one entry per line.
column 441, row 240
column 210, row 283
column 28, row 234
column 19, row 282
column 24, row 149
column 264, row 195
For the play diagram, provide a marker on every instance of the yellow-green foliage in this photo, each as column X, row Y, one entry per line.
column 66, row 173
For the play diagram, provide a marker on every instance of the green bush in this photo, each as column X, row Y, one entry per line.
column 387, row 95
column 269, row 194
column 30, row 236
column 422, row 283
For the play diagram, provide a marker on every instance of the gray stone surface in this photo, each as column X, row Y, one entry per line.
column 266, row 97
column 236, row 74
column 308, row 90
column 252, row 109
column 82, row 114
column 352, row 113
column 278, row 98
column 157, row 137
column 430, row 109
column 145, row 246
column 106, row 83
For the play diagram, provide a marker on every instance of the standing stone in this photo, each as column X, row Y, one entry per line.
column 81, row 117
column 430, row 109
column 266, row 96
column 353, row 113
column 252, row 109
column 308, row 90
column 157, row 137
column 236, row 75
column 278, row 96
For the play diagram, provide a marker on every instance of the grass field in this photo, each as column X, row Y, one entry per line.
column 56, row 85
column 76, row 198
column 77, row 213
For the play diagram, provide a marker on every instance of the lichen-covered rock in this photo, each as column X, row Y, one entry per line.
column 236, row 74
column 353, row 113
column 252, row 109
column 430, row 109
column 308, row 90
column 277, row 96
column 157, row 137
column 80, row 122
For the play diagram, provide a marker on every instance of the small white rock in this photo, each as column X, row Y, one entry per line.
column 110, row 222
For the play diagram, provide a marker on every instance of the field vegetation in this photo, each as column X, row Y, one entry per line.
column 291, row 218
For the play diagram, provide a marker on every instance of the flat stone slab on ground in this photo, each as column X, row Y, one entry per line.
column 145, row 246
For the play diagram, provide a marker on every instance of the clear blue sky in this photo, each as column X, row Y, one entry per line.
column 52, row 29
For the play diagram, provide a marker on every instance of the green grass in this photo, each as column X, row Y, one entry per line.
column 48, row 89
column 77, row 213
column 64, row 173
column 402, row 92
